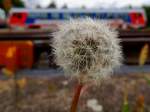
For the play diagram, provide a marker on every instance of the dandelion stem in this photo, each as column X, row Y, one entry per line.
column 76, row 98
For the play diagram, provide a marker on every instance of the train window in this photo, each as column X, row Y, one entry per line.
column 38, row 15
column 102, row 16
column 55, row 15
column 119, row 15
column 128, row 18
column 97, row 15
column 109, row 16
column 138, row 15
column 125, row 17
column 76, row 15
column 83, row 15
column 49, row 16
column 72, row 15
column 66, row 16
column 88, row 14
column 115, row 15
column 18, row 15
column 92, row 15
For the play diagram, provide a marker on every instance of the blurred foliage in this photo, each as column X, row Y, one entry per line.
column 52, row 88
column 65, row 6
column 8, row 73
column 21, row 83
column 52, row 5
column 83, row 7
column 38, row 7
column 18, row 3
column 125, row 107
column 147, row 80
column 139, row 106
column 144, row 55
column 147, row 10
column 8, row 4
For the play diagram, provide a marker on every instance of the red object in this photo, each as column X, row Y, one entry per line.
column 16, row 55
column 25, row 53
column 8, row 55
column 34, row 26
column 76, row 98
column 18, row 19
column 137, row 19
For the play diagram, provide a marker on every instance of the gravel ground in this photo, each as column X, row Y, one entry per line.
column 45, row 94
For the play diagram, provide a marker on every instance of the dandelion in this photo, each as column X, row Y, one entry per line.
column 88, row 50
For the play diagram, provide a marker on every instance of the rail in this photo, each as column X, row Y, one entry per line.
column 126, row 36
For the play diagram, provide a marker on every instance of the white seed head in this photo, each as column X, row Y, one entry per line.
column 87, row 48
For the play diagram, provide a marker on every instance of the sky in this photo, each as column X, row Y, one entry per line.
column 88, row 3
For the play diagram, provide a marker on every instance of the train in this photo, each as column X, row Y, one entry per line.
column 46, row 18
column 30, row 48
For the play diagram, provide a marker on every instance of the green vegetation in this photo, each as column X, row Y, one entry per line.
column 125, row 107
column 147, row 10
column 8, row 4
column 18, row 3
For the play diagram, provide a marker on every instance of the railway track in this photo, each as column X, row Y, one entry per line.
column 131, row 40
column 135, row 36
column 126, row 36
column 25, row 35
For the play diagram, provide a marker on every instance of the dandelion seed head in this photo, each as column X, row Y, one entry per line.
column 87, row 48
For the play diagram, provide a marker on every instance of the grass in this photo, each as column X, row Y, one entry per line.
column 55, row 94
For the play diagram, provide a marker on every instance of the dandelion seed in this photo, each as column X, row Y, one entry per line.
column 87, row 46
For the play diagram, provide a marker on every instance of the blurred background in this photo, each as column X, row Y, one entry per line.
column 31, row 81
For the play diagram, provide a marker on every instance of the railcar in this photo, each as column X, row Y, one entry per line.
column 45, row 18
